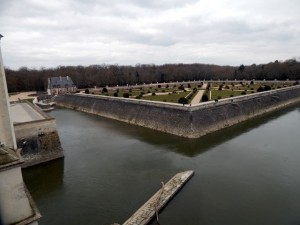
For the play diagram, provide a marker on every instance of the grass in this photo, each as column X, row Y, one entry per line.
column 166, row 98
column 216, row 94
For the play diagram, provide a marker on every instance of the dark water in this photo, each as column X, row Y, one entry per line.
column 246, row 174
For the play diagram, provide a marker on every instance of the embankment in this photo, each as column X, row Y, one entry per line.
column 186, row 121
column 38, row 140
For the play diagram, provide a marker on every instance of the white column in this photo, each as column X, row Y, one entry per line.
column 7, row 133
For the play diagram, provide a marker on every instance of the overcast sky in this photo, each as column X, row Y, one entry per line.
column 127, row 32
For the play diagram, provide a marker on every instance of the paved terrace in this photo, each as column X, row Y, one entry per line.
column 23, row 112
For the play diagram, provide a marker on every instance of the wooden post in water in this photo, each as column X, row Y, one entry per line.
column 156, row 205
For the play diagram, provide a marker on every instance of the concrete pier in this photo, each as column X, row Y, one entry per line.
column 146, row 213
column 36, row 134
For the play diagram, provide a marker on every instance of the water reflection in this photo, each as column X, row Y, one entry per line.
column 44, row 179
column 184, row 146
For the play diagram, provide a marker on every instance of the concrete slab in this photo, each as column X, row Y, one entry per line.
column 23, row 112
column 145, row 214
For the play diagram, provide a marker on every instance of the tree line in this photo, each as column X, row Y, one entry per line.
column 25, row 79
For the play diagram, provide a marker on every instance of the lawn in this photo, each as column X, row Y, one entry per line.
column 217, row 94
column 166, row 98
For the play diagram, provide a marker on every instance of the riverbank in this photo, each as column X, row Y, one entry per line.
column 183, row 120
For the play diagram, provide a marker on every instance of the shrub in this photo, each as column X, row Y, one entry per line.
column 149, row 91
column 86, row 91
column 104, row 90
column 260, row 89
column 159, row 86
column 167, row 86
column 267, row 88
column 296, row 83
column 116, row 94
column 181, row 87
column 126, row 95
column 138, row 97
column 164, row 100
column 208, row 87
column 204, row 98
column 189, row 85
column 182, row 100
column 153, row 93
column 243, row 93
column 231, row 96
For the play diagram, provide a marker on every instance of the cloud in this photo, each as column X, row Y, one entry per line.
column 70, row 32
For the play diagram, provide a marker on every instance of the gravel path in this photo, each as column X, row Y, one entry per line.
column 199, row 95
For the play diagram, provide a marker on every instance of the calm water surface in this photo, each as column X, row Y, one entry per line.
column 246, row 174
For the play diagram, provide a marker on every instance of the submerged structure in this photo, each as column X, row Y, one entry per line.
column 16, row 204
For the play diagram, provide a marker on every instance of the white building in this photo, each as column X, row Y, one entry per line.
column 60, row 85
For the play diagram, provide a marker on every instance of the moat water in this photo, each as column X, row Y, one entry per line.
column 246, row 174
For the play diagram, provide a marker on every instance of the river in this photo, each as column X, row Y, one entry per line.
column 245, row 174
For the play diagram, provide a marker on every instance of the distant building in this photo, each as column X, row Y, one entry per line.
column 60, row 85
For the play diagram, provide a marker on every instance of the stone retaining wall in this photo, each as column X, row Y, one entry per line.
column 186, row 121
column 38, row 140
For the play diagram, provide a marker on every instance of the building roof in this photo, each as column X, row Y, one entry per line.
column 60, row 82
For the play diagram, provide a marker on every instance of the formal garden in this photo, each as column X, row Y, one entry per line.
column 185, row 92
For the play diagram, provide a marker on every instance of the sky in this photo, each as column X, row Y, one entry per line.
column 50, row 33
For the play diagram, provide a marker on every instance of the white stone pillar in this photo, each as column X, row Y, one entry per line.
column 7, row 133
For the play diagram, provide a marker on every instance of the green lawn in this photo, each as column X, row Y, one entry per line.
column 216, row 94
column 166, row 98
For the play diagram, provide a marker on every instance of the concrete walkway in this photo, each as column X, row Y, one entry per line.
column 22, row 112
column 199, row 95
column 144, row 215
